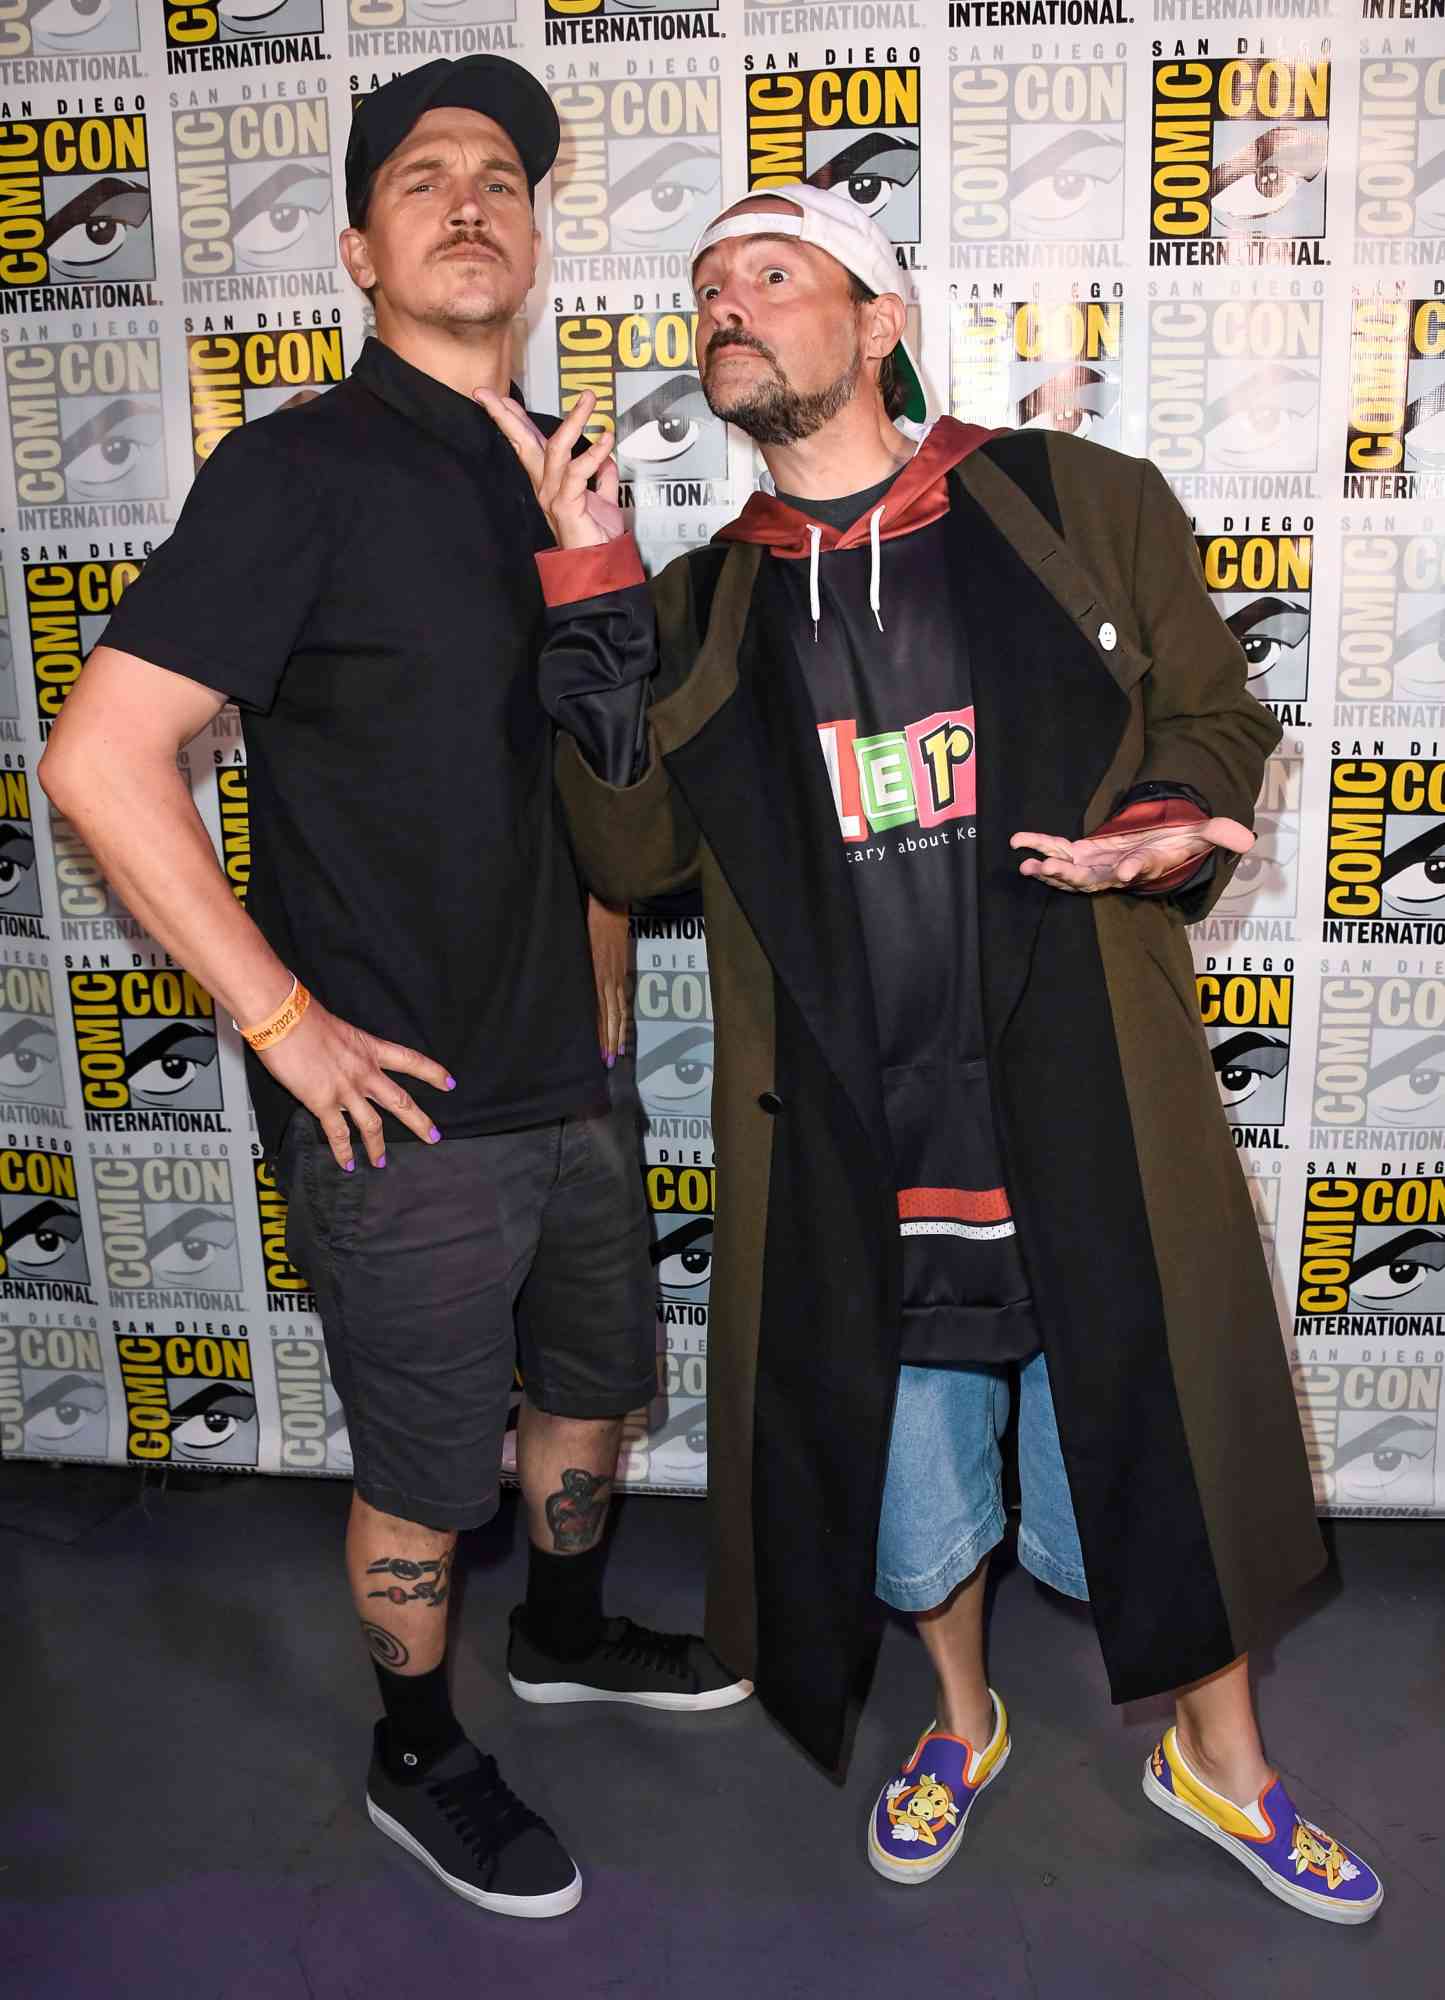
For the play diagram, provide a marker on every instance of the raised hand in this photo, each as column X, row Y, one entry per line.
column 339, row 1072
column 1129, row 860
column 579, row 519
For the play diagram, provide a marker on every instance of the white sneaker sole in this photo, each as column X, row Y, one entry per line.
column 924, row 1871
column 550, row 1693
column 1304, row 1900
column 557, row 1904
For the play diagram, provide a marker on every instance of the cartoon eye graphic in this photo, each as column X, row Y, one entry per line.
column 212, row 1417
column 1058, row 183
column 167, row 1063
column 248, row 17
column 1413, row 877
column 1406, row 1088
column 1398, row 1267
column 1266, row 175
column 57, row 1414
column 69, row 20
column 272, row 220
column 683, row 1259
column 1262, row 872
column 28, row 1053
column 1386, row 1452
column 1267, row 629
column 870, row 171
column 121, row 441
column 678, row 1070
column 661, row 196
column 1420, row 656
column 1262, row 417
column 664, row 424
column 91, row 228
column 17, row 857
column 192, row 1244
column 1425, row 429
column 1244, row 1061
column 41, row 1237
column 1076, row 400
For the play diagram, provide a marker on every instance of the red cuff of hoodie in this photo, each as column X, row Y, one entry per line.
column 1151, row 813
column 569, row 575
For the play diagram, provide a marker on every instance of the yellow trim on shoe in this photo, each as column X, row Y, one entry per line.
column 1244, row 1822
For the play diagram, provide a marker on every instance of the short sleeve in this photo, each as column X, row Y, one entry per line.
column 226, row 598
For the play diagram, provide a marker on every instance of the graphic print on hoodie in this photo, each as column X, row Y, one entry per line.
column 888, row 676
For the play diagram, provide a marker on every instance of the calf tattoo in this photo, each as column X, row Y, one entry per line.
column 386, row 1649
column 576, row 1514
column 416, row 1582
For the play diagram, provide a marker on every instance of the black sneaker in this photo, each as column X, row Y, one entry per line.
column 458, row 1817
column 629, row 1663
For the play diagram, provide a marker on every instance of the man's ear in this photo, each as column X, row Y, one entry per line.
column 356, row 256
column 888, row 317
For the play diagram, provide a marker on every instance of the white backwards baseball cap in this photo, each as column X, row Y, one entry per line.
column 830, row 222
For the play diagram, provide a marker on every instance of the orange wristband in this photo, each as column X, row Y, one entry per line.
column 277, row 1026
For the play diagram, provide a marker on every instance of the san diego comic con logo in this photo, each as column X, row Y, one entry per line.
column 390, row 28
column 1037, row 163
column 237, row 376
column 32, row 1084
column 168, row 1233
column 1391, row 627
column 1233, row 395
column 9, row 694
column 1372, row 1252
column 188, row 1398
column 638, row 174
column 145, row 1041
column 20, row 905
column 673, row 1012
column 42, row 1237
column 287, row 1291
column 67, row 607
column 1379, row 1061
column 233, row 808
column 1385, row 851
column 1050, row 366
column 642, row 368
column 241, row 34
column 253, row 184
column 1260, row 586
column 1400, row 184
column 856, row 131
column 1240, row 146
column 87, row 427
column 75, row 210
column 90, row 910
column 1396, row 440
column 314, row 1435
column 1246, row 1018
column 568, row 22
column 42, row 40
column 53, row 1397
column 1371, row 1431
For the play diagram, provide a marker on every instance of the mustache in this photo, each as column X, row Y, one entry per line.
column 472, row 239
column 735, row 336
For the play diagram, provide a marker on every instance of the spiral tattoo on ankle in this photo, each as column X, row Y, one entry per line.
column 386, row 1649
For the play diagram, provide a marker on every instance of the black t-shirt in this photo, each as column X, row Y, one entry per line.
column 358, row 575
column 897, row 729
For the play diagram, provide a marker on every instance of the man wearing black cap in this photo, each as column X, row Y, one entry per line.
column 357, row 575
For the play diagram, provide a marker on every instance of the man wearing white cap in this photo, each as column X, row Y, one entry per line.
column 966, row 1126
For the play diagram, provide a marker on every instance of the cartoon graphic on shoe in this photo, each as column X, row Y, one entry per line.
column 920, row 1815
column 1294, row 1859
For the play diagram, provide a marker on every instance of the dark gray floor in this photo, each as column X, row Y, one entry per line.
column 186, row 1718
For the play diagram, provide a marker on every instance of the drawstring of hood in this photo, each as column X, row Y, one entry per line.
column 815, row 607
column 875, row 573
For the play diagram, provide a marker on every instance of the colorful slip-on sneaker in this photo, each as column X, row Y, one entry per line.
column 1296, row 1860
column 918, row 1822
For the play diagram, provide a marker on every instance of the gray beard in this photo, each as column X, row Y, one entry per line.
column 776, row 413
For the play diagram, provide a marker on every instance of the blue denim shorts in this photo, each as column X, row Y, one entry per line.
column 943, row 1497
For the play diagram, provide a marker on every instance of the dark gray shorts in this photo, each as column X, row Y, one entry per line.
column 437, row 1273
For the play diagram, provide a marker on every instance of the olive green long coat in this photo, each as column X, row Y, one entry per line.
column 1175, row 1409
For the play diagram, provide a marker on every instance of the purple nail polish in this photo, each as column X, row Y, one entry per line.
column 611, row 1061
column 451, row 1083
column 433, row 1134
column 350, row 1167
column 382, row 1161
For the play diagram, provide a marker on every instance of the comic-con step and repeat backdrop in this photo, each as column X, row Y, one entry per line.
column 1209, row 231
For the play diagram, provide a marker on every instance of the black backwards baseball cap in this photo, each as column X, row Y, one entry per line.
column 500, row 90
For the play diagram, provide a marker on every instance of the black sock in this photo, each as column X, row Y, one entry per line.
column 418, row 1714
column 564, row 1601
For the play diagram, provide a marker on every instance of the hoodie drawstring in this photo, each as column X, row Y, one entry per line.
column 815, row 536
column 875, row 574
